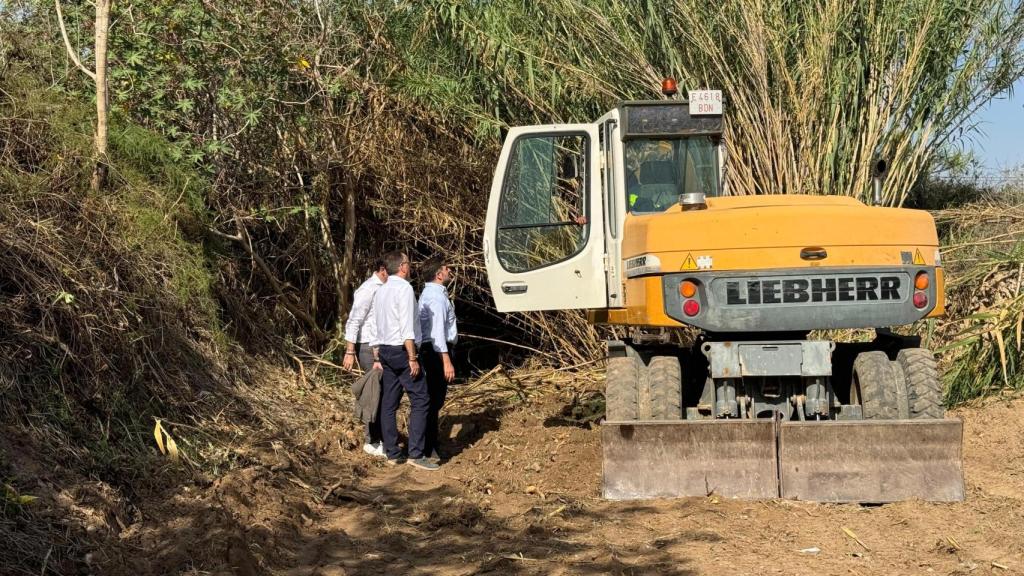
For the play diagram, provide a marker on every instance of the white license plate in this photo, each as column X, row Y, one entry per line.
column 705, row 102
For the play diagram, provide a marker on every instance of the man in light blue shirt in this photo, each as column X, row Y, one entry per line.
column 439, row 333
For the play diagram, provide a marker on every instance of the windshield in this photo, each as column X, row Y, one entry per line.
column 658, row 171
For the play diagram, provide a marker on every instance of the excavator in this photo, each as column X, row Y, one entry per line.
column 721, row 380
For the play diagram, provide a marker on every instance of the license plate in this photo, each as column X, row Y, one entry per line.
column 705, row 102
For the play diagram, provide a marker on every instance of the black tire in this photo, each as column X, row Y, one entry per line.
column 665, row 382
column 875, row 386
column 924, row 388
column 620, row 389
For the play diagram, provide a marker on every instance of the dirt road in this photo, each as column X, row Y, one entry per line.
column 520, row 496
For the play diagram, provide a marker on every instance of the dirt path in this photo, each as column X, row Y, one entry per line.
column 521, row 497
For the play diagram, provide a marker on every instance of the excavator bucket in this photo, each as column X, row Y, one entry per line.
column 844, row 461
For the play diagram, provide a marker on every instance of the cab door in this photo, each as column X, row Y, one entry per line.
column 544, row 234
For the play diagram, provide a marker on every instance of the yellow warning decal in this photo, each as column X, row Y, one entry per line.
column 689, row 263
column 918, row 258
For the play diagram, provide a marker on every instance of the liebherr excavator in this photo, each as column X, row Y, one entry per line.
column 630, row 219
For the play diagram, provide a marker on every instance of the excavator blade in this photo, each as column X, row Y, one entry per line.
column 872, row 461
column 732, row 458
column 844, row 461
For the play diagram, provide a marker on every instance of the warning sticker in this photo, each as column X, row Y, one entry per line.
column 918, row 258
column 689, row 263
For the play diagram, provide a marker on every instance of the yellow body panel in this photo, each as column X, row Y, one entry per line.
column 765, row 233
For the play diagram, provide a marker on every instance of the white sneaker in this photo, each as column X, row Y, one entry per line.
column 374, row 449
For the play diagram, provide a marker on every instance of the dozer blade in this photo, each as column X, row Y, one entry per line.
column 845, row 461
column 872, row 461
column 673, row 459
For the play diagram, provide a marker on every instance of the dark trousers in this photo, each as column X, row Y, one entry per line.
column 396, row 379
column 364, row 355
column 437, row 388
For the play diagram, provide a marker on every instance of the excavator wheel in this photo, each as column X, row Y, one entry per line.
column 620, row 389
column 875, row 385
column 664, row 381
column 924, row 388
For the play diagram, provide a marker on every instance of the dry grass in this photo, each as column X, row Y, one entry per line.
column 984, row 258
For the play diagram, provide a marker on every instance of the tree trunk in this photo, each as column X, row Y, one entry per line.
column 348, row 250
column 341, row 267
column 99, row 175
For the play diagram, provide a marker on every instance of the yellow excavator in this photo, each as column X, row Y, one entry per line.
column 630, row 219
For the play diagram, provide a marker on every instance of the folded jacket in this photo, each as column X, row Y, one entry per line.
column 366, row 390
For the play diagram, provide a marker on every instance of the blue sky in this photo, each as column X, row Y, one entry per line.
column 999, row 141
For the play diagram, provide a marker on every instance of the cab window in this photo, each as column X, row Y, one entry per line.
column 658, row 171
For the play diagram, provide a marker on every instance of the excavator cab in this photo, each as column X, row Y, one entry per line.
column 629, row 218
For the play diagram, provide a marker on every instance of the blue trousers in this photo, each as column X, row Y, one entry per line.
column 437, row 388
column 396, row 380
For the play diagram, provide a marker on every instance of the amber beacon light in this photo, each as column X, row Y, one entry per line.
column 668, row 87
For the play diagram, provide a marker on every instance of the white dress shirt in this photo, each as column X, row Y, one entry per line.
column 395, row 312
column 437, row 317
column 361, row 325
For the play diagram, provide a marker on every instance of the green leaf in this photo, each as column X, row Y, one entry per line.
column 134, row 59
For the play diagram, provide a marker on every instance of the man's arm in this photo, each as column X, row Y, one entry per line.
column 361, row 305
column 409, row 317
column 438, row 309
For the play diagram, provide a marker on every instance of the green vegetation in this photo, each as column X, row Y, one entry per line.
column 252, row 143
column 107, row 300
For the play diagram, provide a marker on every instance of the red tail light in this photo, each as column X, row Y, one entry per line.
column 920, row 299
column 691, row 308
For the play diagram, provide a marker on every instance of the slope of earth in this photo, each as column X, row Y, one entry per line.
column 520, row 495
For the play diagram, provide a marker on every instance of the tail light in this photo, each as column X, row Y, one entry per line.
column 920, row 299
column 921, row 281
column 691, row 308
column 687, row 289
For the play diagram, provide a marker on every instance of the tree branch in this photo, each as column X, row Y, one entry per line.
column 67, row 43
column 242, row 237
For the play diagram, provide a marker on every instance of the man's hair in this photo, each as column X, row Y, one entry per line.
column 378, row 264
column 430, row 268
column 393, row 261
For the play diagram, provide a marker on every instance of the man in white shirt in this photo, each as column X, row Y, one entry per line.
column 360, row 330
column 440, row 332
column 398, row 335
